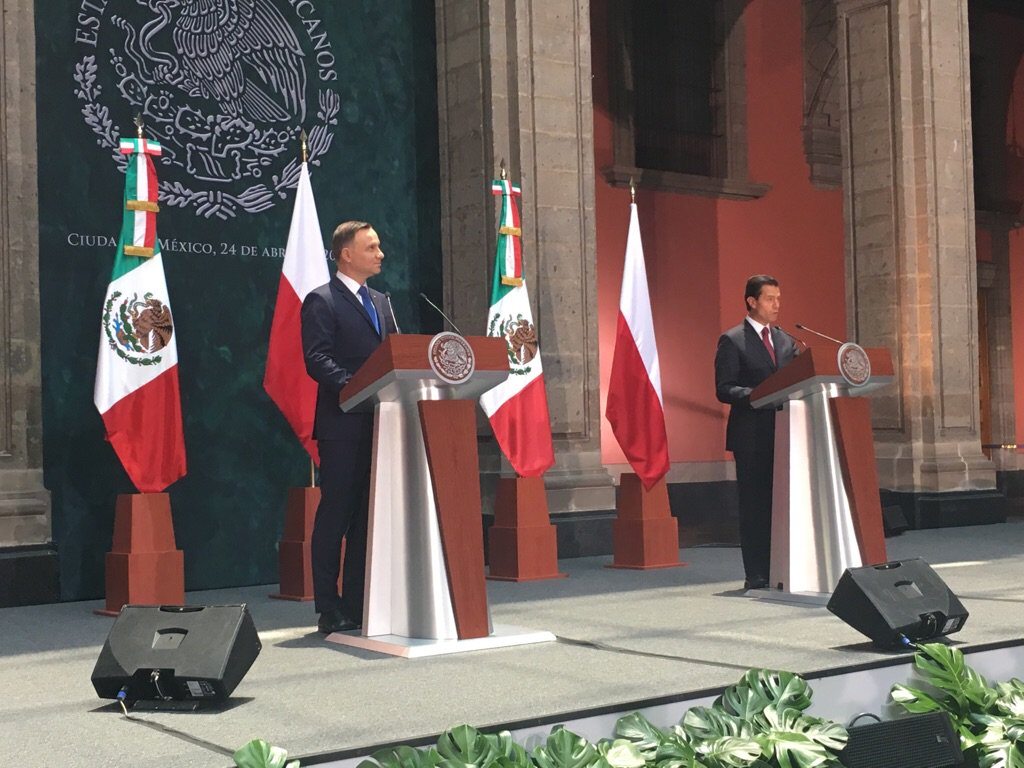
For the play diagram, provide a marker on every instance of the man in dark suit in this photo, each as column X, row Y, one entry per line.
column 747, row 355
column 343, row 322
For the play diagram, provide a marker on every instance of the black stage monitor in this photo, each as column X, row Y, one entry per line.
column 176, row 653
column 904, row 598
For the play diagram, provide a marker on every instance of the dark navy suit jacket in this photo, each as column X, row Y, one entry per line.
column 337, row 337
column 741, row 363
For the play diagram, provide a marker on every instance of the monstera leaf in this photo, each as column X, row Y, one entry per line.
column 465, row 747
column 401, row 757
column 1010, row 698
column 999, row 746
column 621, row 753
column 945, row 669
column 510, row 754
column 259, row 754
column 676, row 751
column 796, row 740
column 732, row 752
column 760, row 688
column 646, row 736
column 564, row 749
column 706, row 723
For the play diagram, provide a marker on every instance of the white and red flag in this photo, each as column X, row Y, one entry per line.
column 635, row 407
column 518, row 407
column 305, row 268
column 136, row 390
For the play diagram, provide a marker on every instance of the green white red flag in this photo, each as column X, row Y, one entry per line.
column 518, row 407
column 137, row 391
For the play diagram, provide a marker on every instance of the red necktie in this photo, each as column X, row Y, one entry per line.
column 768, row 344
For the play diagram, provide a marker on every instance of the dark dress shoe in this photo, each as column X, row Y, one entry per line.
column 757, row 582
column 336, row 621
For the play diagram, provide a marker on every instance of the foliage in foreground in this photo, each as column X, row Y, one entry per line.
column 989, row 719
column 760, row 722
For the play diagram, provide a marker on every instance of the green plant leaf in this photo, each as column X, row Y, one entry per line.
column 796, row 740
column 510, row 754
column 915, row 700
column 621, row 753
column 676, row 751
column 760, row 688
column 1010, row 698
column 259, row 754
column 945, row 669
column 731, row 752
column 706, row 723
column 401, row 757
column 564, row 749
column 996, row 750
column 465, row 747
column 641, row 732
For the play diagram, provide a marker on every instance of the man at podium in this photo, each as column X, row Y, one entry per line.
column 747, row 355
column 343, row 322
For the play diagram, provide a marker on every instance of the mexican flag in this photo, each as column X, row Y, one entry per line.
column 518, row 407
column 136, row 390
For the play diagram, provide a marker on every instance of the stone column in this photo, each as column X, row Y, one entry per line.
column 911, row 263
column 514, row 84
column 28, row 569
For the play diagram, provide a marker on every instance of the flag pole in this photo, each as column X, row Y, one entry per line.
column 305, row 145
column 632, row 191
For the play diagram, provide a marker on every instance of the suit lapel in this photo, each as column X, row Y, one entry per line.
column 758, row 344
column 357, row 304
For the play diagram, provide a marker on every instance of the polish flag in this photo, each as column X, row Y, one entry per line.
column 305, row 268
column 635, row 407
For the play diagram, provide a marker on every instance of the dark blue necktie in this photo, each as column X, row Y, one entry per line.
column 364, row 294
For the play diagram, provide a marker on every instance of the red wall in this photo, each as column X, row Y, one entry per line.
column 700, row 250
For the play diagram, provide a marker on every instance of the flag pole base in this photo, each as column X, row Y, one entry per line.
column 522, row 545
column 644, row 534
column 295, row 550
column 294, row 553
column 143, row 567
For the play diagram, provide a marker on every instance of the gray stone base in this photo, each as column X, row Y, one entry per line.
column 29, row 575
column 943, row 510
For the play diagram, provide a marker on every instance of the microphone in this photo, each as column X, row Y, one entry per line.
column 794, row 338
column 817, row 333
column 441, row 313
column 391, row 309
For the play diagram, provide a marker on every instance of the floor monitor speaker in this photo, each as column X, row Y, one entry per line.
column 183, row 653
column 918, row 741
column 898, row 601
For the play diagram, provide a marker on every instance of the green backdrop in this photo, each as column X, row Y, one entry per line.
column 367, row 71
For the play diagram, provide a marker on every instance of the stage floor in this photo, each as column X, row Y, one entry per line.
column 623, row 636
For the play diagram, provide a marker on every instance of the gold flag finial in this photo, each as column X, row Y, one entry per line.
column 305, row 145
column 138, row 124
column 504, row 173
column 632, row 190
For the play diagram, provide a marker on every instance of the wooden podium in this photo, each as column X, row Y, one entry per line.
column 826, row 512
column 425, row 588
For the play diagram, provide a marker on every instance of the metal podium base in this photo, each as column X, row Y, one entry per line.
column 502, row 636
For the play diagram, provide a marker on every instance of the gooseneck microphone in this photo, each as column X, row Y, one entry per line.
column 794, row 338
column 391, row 309
column 818, row 333
column 441, row 313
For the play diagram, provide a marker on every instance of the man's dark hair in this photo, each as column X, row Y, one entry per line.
column 754, row 285
column 344, row 234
